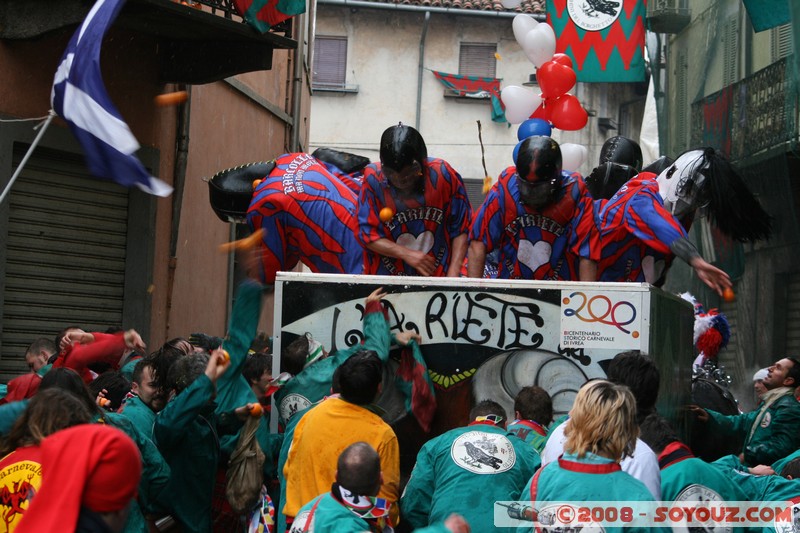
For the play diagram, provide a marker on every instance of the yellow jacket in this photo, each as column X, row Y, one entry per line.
column 321, row 436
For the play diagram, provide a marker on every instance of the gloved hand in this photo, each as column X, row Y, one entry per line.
column 208, row 343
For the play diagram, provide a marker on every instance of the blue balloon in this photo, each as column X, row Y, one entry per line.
column 533, row 126
column 516, row 151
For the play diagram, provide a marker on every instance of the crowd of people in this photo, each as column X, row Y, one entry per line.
column 103, row 436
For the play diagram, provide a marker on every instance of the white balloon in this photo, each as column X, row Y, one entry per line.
column 540, row 44
column 521, row 25
column 520, row 103
column 573, row 156
column 511, row 4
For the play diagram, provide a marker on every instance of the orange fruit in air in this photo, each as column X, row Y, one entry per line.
column 256, row 409
column 386, row 214
column 256, row 183
column 171, row 98
column 248, row 243
column 728, row 295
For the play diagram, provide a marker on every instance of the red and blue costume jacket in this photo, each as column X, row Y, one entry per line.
column 537, row 244
column 307, row 215
column 637, row 233
column 427, row 222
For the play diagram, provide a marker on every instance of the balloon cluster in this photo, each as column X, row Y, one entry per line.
column 554, row 107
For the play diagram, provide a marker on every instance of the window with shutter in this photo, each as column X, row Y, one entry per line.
column 477, row 59
column 781, row 41
column 730, row 48
column 330, row 61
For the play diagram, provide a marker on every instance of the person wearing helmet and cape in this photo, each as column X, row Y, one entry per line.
column 413, row 210
column 645, row 225
column 539, row 218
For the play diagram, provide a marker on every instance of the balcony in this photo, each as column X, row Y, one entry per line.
column 668, row 16
column 754, row 116
column 196, row 44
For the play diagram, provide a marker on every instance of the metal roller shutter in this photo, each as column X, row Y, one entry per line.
column 793, row 316
column 66, row 253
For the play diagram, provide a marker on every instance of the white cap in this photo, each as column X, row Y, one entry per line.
column 761, row 374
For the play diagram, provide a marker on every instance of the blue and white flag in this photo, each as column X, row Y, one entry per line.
column 80, row 97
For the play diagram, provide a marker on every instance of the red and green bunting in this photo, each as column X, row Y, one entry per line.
column 604, row 40
column 263, row 14
column 474, row 85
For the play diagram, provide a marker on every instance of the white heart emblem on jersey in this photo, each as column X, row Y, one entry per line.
column 534, row 255
column 422, row 242
column 652, row 269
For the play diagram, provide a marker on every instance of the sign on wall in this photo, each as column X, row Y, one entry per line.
column 484, row 338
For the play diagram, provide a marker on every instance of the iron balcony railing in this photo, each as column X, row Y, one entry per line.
column 752, row 116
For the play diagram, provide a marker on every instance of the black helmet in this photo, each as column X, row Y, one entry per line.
column 539, row 171
column 539, row 158
column 401, row 145
column 622, row 151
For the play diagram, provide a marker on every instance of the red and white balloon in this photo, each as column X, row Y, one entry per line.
column 555, row 75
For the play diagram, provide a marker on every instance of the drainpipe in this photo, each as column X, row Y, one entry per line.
column 297, row 85
column 421, row 67
column 179, row 179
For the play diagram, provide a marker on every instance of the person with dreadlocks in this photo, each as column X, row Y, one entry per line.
column 644, row 226
column 539, row 218
column 413, row 211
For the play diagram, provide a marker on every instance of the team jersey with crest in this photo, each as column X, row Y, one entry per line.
column 427, row 222
column 637, row 233
column 307, row 215
column 590, row 478
column 537, row 244
column 465, row 471
column 687, row 478
column 20, row 479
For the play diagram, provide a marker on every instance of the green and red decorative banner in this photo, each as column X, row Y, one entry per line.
column 475, row 86
column 263, row 14
column 604, row 38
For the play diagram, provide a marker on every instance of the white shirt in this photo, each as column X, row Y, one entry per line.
column 643, row 465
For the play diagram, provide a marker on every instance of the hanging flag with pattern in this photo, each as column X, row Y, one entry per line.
column 475, row 87
column 604, row 38
column 263, row 14
column 79, row 96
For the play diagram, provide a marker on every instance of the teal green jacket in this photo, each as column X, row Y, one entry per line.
column 531, row 432
column 185, row 432
column 465, row 471
column 314, row 382
column 140, row 415
column 233, row 390
column 700, row 478
column 155, row 473
column 288, row 435
column 768, row 438
column 778, row 465
column 330, row 516
column 9, row 412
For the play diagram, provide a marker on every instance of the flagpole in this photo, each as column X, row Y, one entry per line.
column 42, row 128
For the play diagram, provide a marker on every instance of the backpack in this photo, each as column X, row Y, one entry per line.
column 244, row 477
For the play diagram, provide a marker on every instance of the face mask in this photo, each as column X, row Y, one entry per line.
column 538, row 194
column 682, row 184
column 406, row 179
